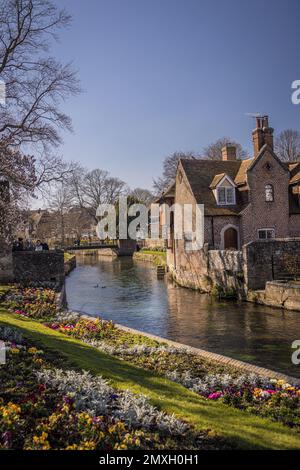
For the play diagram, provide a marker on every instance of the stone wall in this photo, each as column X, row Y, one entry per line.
column 6, row 266
column 294, row 225
column 70, row 264
column 42, row 266
column 268, row 260
column 225, row 269
column 206, row 270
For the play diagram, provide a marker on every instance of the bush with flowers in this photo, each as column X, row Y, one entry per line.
column 44, row 405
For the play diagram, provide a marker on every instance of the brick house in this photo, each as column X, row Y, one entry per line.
column 244, row 200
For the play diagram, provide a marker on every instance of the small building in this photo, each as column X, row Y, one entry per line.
column 257, row 199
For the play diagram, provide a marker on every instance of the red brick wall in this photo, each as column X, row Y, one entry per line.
column 262, row 214
column 294, row 225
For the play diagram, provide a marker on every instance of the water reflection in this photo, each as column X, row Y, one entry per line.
column 129, row 293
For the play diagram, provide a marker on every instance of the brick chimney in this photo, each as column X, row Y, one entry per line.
column 229, row 152
column 263, row 134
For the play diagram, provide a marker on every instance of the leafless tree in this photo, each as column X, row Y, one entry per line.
column 92, row 188
column 287, row 145
column 60, row 203
column 79, row 222
column 143, row 196
column 35, row 82
column 169, row 170
column 214, row 150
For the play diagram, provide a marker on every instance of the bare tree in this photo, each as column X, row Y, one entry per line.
column 214, row 150
column 35, row 82
column 36, row 85
column 60, row 203
column 92, row 188
column 143, row 196
column 80, row 222
column 170, row 164
column 287, row 145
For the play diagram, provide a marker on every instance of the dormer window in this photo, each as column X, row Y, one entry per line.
column 223, row 188
column 269, row 193
column 226, row 195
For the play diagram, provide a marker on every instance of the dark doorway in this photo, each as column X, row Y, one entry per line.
column 231, row 239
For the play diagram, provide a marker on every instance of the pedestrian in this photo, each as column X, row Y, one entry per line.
column 39, row 246
column 18, row 245
column 45, row 246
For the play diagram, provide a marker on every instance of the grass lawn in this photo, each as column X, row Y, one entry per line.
column 157, row 257
column 242, row 428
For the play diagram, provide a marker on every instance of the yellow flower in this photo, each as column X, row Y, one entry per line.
column 10, row 412
column 32, row 350
column 39, row 361
column 120, row 447
column 72, row 447
column 15, row 350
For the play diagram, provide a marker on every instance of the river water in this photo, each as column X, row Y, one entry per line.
column 128, row 292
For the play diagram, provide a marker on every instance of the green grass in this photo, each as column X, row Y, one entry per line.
column 242, row 428
column 157, row 257
column 153, row 252
column 3, row 290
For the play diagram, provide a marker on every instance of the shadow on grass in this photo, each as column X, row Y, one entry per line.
column 241, row 428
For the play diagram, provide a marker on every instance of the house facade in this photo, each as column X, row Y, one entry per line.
column 245, row 201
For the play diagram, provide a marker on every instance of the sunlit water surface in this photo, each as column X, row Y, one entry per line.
column 128, row 292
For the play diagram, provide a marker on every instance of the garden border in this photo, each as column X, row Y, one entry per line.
column 262, row 371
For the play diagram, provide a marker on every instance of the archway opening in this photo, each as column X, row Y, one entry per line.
column 230, row 239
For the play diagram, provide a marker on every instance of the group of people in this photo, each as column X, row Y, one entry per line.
column 29, row 245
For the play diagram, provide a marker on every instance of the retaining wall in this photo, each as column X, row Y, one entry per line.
column 39, row 266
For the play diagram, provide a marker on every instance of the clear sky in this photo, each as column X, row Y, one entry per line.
column 166, row 75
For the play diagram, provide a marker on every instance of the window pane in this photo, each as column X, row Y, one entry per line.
column 269, row 193
column 262, row 234
column 270, row 233
column 229, row 194
column 221, row 196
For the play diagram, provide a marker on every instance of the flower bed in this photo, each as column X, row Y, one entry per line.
column 45, row 405
column 39, row 303
column 267, row 397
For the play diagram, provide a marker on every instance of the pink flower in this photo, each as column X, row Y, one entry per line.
column 214, row 396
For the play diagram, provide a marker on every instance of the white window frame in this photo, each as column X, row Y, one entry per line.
column 226, row 190
column 270, row 229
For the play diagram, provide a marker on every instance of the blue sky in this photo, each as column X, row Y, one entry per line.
column 166, row 75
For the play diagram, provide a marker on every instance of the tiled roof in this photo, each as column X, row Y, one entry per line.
column 201, row 173
column 204, row 175
column 216, row 180
column 295, row 172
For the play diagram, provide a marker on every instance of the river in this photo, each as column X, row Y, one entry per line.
column 128, row 292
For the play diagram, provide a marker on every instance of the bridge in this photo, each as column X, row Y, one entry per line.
column 121, row 248
column 91, row 246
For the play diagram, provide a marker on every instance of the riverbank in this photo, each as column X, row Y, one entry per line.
column 158, row 258
column 69, row 263
column 146, row 366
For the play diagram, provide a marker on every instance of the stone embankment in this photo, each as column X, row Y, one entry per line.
column 280, row 294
